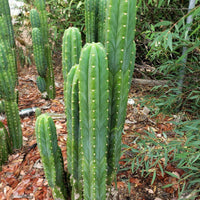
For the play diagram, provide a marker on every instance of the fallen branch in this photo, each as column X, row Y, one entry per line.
column 149, row 82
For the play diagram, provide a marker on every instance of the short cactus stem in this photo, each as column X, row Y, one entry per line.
column 5, row 144
column 93, row 97
column 14, row 126
column 71, row 48
column 38, row 49
column 51, row 155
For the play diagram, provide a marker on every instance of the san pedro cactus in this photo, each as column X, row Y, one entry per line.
column 42, row 51
column 5, row 11
column 41, row 84
column 7, row 92
column 71, row 48
column 5, row 144
column 51, row 155
column 74, row 156
column 93, row 97
column 120, row 47
column 7, row 55
column 95, row 13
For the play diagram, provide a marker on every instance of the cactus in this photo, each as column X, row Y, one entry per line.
column 71, row 49
column 7, row 53
column 93, row 86
column 51, row 155
column 14, row 126
column 7, row 92
column 74, row 158
column 34, row 18
column 41, row 84
column 38, row 49
column 5, row 144
column 2, row 106
column 120, row 47
column 95, row 11
column 5, row 11
column 38, row 112
column 42, row 52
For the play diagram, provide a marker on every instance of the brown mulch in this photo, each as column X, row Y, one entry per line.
column 22, row 177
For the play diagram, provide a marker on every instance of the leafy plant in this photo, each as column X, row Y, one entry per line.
column 151, row 155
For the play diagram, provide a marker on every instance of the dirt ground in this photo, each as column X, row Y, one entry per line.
column 22, row 177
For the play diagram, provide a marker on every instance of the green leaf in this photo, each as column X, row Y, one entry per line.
column 169, row 41
column 163, row 23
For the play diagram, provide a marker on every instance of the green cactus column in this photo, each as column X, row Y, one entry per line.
column 51, row 155
column 5, row 11
column 120, row 47
column 93, row 97
column 74, row 156
column 7, row 91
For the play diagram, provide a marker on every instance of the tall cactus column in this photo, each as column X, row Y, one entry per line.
column 120, row 47
column 93, row 97
column 74, row 156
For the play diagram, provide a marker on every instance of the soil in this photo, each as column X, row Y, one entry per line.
column 22, row 177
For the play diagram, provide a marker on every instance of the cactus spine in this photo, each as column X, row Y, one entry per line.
column 71, row 48
column 51, row 155
column 120, row 26
column 42, row 52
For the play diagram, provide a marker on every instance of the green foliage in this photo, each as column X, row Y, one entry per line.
column 174, row 46
column 151, row 155
column 51, row 155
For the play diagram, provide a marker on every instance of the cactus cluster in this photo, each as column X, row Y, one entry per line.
column 96, row 89
column 8, row 75
column 41, row 49
column 5, row 145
